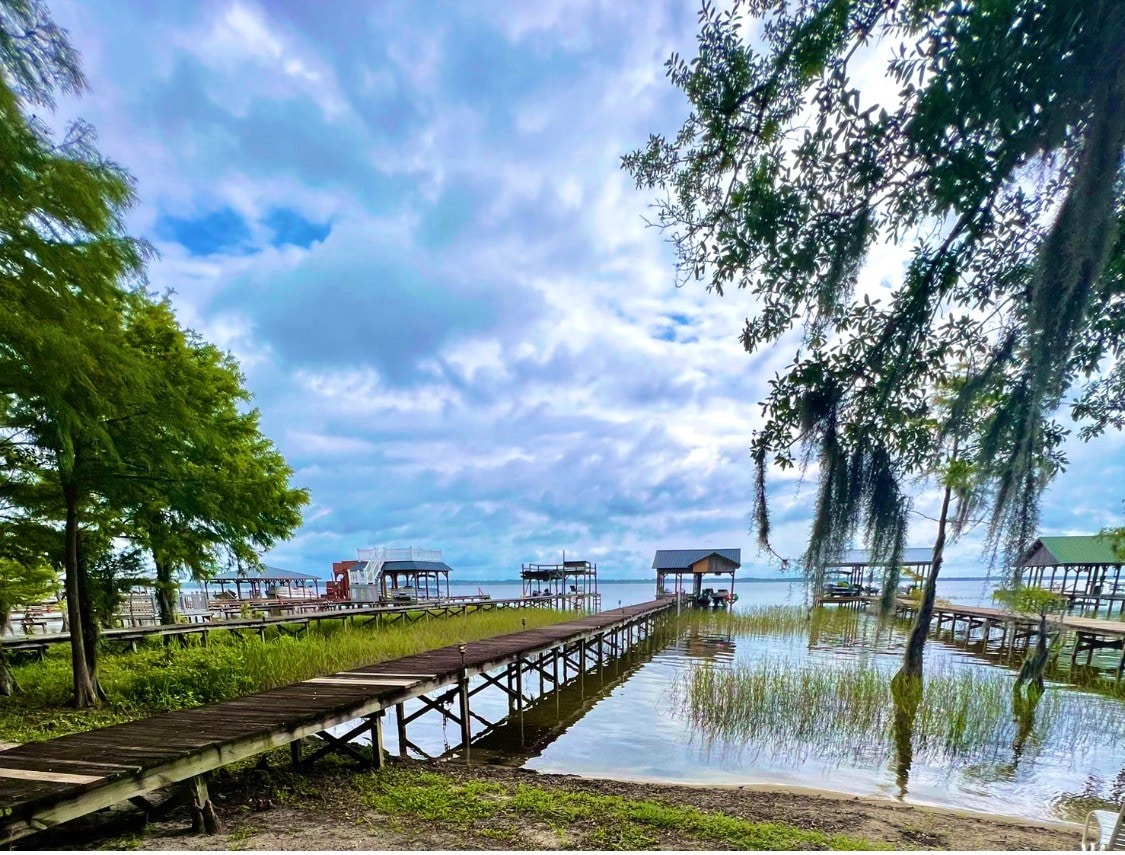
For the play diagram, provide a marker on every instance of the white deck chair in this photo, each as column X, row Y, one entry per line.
column 1103, row 830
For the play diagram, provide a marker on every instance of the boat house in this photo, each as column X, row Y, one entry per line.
column 385, row 575
column 1085, row 569
column 267, row 582
column 852, row 576
column 694, row 564
column 575, row 582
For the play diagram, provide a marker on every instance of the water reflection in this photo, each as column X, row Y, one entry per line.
column 781, row 696
column 906, row 695
column 708, row 647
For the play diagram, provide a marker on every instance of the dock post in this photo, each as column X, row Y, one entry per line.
column 203, row 817
column 466, row 731
column 295, row 753
column 519, row 686
column 378, row 756
column 400, row 717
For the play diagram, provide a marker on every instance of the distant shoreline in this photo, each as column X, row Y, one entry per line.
column 779, row 578
column 653, row 581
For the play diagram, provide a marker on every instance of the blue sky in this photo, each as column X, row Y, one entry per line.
column 409, row 223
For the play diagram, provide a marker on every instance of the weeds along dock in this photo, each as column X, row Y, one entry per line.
column 46, row 783
column 290, row 624
column 1018, row 630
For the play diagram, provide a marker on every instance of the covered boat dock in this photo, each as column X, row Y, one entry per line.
column 1084, row 569
column 673, row 565
column 266, row 582
column 852, row 578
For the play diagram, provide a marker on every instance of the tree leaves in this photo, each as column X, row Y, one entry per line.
column 786, row 179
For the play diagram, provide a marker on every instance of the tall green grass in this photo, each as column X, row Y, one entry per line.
column 846, row 709
column 158, row 679
column 766, row 620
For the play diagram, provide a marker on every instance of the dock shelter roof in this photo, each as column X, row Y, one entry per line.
column 911, row 556
column 555, row 572
column 683, row 559
column 1082, row 550
column 265, row 573
column 416, row 567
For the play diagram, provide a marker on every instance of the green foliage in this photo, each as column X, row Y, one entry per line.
column 204, row 488
column 23, row 585
column 160, row 679
column 996, row 171
column 114, row 422
column 112, row 575
column 1030, row 600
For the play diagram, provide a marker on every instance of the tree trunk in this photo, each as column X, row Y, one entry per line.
column 165, row 591
column 85, row 692
column 90, row 626
column 8, row 685
column 916, row 642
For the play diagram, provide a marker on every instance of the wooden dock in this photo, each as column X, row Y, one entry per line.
column 46, row 783
column 1090, row 634
column 291, row 624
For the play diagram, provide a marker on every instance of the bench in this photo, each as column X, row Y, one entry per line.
column 137, row 610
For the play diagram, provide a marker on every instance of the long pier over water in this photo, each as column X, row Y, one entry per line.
column 1090, row 634
column 46, row 783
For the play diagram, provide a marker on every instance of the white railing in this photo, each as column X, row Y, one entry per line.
column 367, row 572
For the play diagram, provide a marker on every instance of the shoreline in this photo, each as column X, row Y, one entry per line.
column 840, row 795
column 452, row 805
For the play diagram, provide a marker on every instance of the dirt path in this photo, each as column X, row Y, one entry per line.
column 425, row 806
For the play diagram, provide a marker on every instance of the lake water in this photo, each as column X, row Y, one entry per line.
column 783, row 591
column 626, row 724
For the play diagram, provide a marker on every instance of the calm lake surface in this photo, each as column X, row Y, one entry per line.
column 627, row 725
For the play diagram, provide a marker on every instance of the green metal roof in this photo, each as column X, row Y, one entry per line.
column 1085, row 549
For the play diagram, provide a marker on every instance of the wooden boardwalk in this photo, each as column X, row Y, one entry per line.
column 1090, row 634
column 291, row 624
column 45, row 783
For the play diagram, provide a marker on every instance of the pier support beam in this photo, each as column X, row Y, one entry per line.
column 378, row 750
column 203, row 817
column 466, row 729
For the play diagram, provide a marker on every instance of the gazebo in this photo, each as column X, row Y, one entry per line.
column 267, row 582
column 1086, row 569
column 695, row 564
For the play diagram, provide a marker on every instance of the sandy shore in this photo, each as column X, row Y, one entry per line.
column 326, row 808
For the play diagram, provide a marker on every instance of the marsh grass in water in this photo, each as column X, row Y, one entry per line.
column 158, row 679
column 845, row 710
column 766, row 620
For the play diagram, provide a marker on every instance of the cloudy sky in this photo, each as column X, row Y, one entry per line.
column 409, row 223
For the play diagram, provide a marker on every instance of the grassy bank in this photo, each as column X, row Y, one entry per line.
column 457, row 806
column 492, row 808
column 158, row 679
